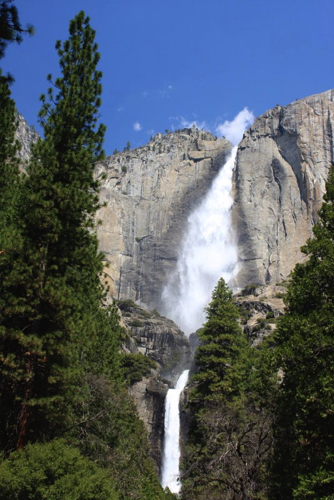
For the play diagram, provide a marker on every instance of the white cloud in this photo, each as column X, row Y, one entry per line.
column 137, row 126
column 233, row 130
column 121, row 108
column 145, row 93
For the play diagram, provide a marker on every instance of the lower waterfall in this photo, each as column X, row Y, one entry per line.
column 170, row 476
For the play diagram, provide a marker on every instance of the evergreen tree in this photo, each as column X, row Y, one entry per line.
column 54, row 471
column 51, row 292
column 229, row 437
column 223, row 350
column 304, row 424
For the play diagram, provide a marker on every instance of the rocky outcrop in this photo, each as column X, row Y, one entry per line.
column 163, row 342
column 260, row 308
column 159, row 338
column 27, row 136
column 279, row 180
column 149, row 396
column 149, row 193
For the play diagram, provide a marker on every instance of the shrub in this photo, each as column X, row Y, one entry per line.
column 53, row 471
column 136, row 366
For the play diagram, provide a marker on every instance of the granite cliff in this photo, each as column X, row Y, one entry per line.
column 149, row 193
column 279, row 180
column 27, row 136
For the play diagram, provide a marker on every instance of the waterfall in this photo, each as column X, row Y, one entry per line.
column 207, row 253
column 171, row 455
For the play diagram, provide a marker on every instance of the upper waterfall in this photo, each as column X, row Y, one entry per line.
column 208, row 251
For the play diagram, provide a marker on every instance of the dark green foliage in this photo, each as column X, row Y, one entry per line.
column 304, row 425
column 135, row 367
column 10, row 30
column 53, row 471
column 60, row 372
column 51, row 291
column 230, row 435
column 9, row 169
column 222, row 354
column 110, row 433
column 10, row 26
column 127, row 305
column 136, row 323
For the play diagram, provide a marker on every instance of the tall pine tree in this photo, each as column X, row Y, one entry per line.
column 304, row 424
column 223, row 351
column 229, row 436
column 51, row 292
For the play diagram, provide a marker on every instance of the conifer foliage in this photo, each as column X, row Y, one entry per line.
column 304, row 423
column 51, row 291
column 9, row 170
column 223, row 349
column 229, row 437
column 11, row 29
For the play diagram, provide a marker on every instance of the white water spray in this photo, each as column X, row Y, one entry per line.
column 171, row 456
column 208, row 251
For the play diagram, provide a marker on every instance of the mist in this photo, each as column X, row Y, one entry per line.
column 208, row 250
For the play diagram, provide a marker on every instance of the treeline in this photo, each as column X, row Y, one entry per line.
column 68, row 429
column 263, row 418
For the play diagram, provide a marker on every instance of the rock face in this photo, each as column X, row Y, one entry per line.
column 163, row 342
column 149, row 193
column 27, row 137
column 159, row 338
column 149, row 396
column 279, row 180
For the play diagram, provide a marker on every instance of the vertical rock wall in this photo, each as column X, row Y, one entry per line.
column 279, row 180
column 149, row 193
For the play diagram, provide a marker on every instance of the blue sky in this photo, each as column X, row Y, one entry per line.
column 168, row 63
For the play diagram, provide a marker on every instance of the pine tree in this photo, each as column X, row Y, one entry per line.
column 51, row 290
column 229, row 436
column 223, row 349
column 304, row 425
